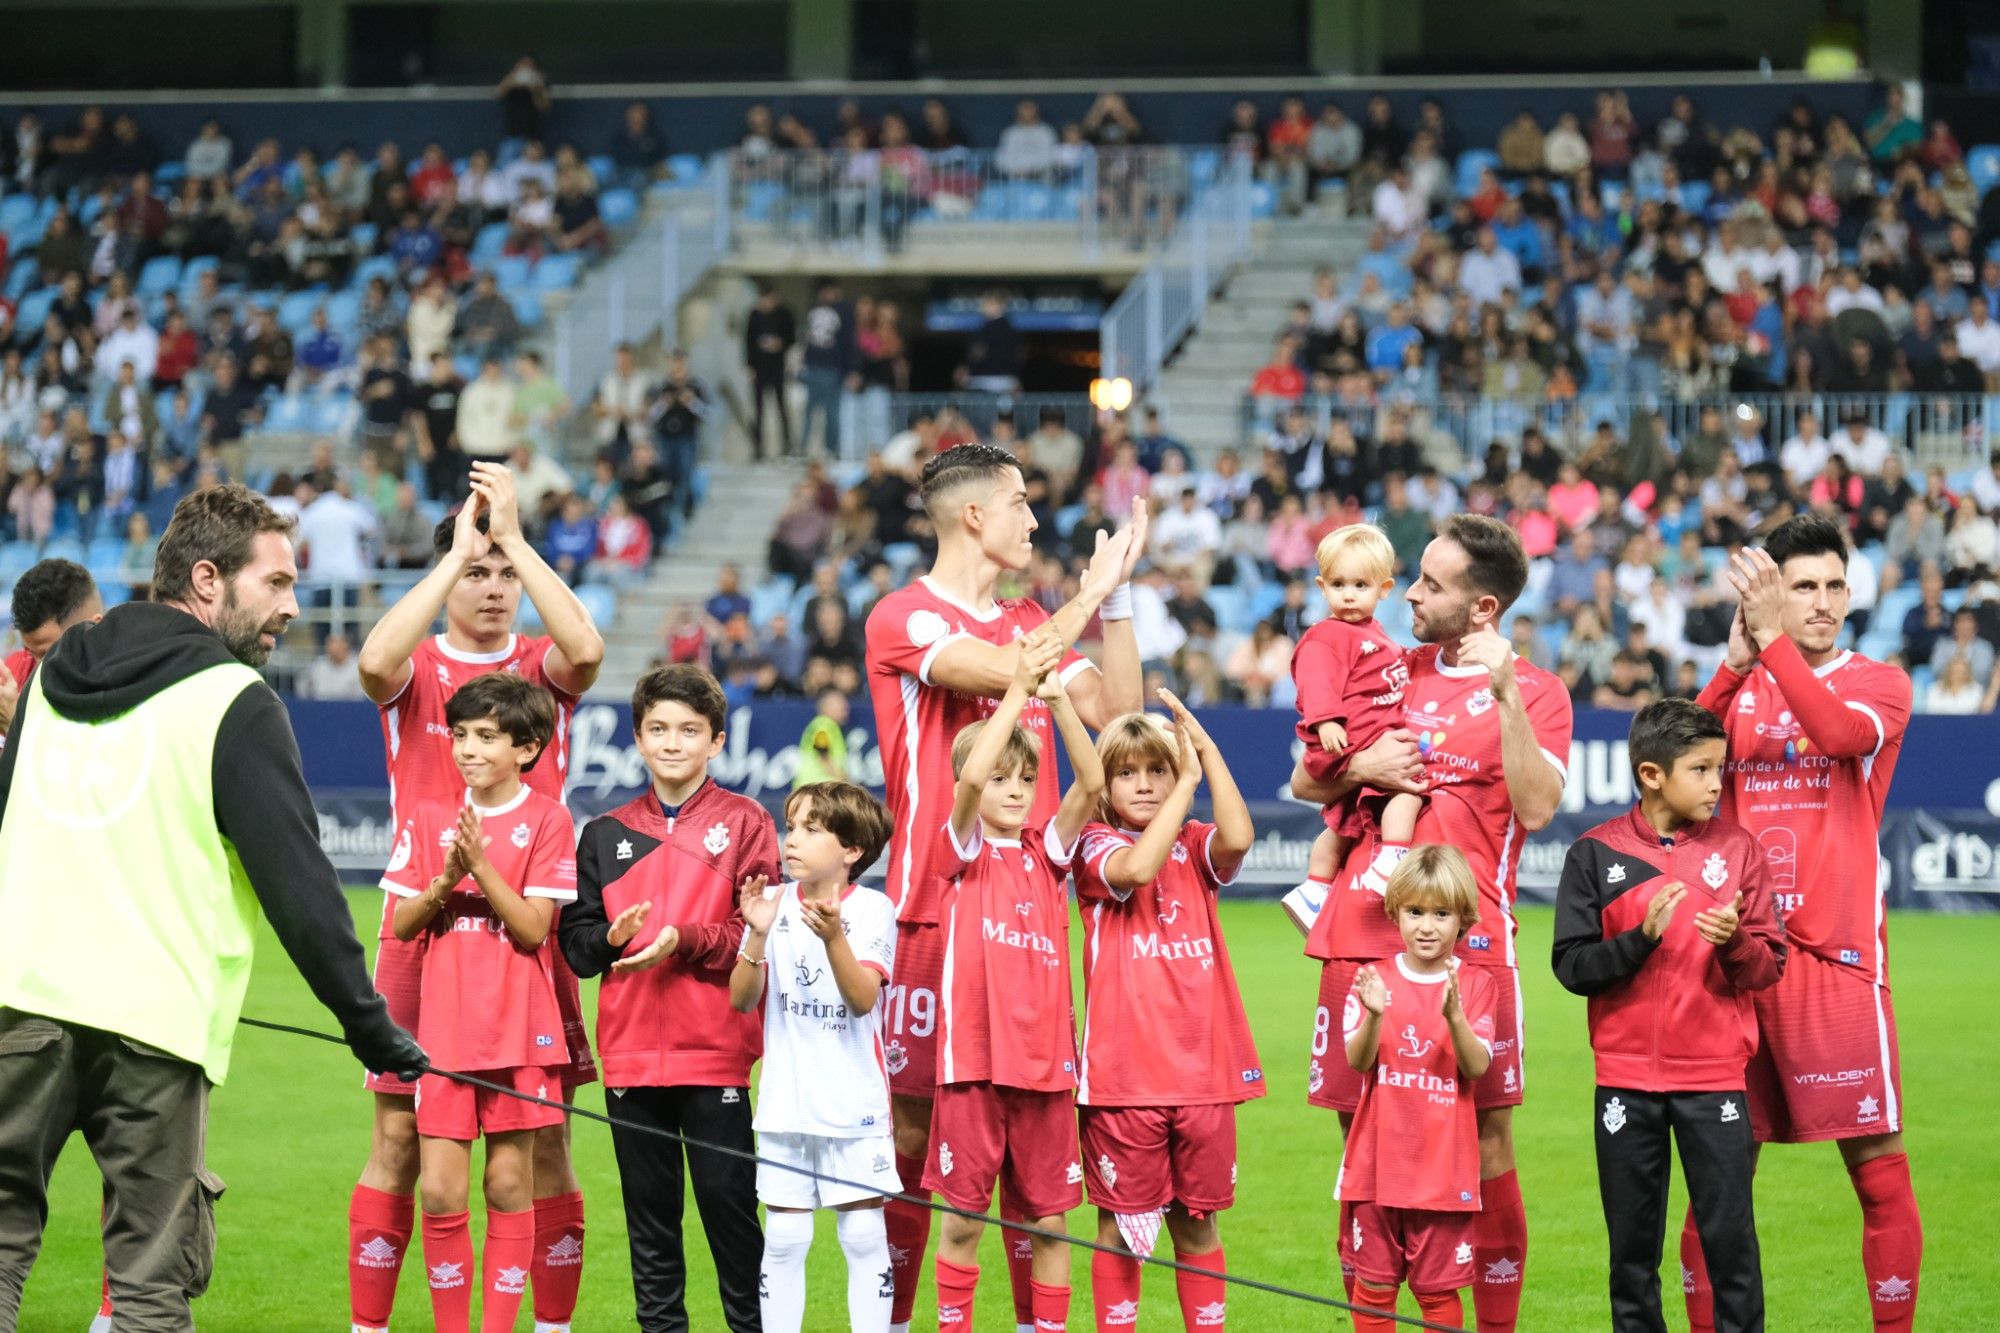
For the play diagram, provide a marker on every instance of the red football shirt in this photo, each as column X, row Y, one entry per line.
column 1451, row 712
column 417, row 739
column 1163, row 1024
column 917, row 721
column 1811, row 754
column 487, row 1002
column 1353, row 674
column 1415, row 1138
column 21, row 663
column 1008, row 1015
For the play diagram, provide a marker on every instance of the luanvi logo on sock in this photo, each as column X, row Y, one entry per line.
column 378, row 1252
column 566, row 1253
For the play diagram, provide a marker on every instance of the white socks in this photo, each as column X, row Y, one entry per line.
column 782, row 1283
column 871, row 1284
column 1376, row 878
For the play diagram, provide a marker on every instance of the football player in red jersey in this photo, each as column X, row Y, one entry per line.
column 1814, row 733
column 484, row 565
column 941, row 651
column 48, row 599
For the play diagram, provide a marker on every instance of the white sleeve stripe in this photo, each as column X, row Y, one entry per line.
column 930, row 655
column 400, row 891
column 559, row 895
column 966, row 850
column 1208, row 855
column 1052, row 843
column 1561, row 768
column 1881, row 732
column 1075, row 669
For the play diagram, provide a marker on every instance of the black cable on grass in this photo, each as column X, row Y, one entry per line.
column 935, row 1205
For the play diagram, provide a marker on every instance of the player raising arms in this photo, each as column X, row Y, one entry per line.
column 940, row 651
column 1814, row 732
column 1167, row 1052
column 1486, row 736
column 484, row 564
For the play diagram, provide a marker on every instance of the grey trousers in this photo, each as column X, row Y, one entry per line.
column 144, row 1115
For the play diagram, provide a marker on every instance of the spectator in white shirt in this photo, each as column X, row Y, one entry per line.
column 1851, row 293
column 486, row 414
column 623, row 397
column 1186, row 537
column 1776, row 262
column 532, row 165
column 1160, row 636
column 1487, row 271
column 1805, row 454
column 1986, row 486
column 209, row 156
column 133, row 341
column 1028, row 146
column 1864, row 447
column 1398, row 210
column 333, row 533
column 1564, row 149
column 1725, row 259
column 481, row 188
column 1979, row 338
column 332, row 675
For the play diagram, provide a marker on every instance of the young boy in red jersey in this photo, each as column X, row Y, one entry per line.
column 1663, row 918
column 656, row 917
column 1167, row 1052
column 483, row 881
column 1005, row 1106
column 1409, row 1175
column 1350, row 677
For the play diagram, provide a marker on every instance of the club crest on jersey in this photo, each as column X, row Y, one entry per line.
column 1481, row 942
column 1481, row 700
column 519, row 837
column 926, row 628
column 1172, row 914
column 1746, row 702
column 1180, row 854
column 717, row 840
column 944, row 1159
column 401, row 856
column 1614, row 1116
column 1108, row 1169
column 1315, row 1077
column 1714, row 871
column 1414, row 1047
column 1028, row 863
column 895, row 1057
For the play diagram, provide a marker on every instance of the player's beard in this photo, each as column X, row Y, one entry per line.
column 242, row 630
column 1434, row 627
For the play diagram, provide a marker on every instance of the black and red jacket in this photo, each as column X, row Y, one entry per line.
column 1672, row 1014
column 671, row 1025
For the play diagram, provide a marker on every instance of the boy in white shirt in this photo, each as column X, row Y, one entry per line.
column 827, row 947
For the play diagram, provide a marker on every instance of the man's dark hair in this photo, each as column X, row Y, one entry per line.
column 850, row 814
column 1664, row 731
column 1495, row 561
column 50, row 593
column 1806, row 534
column 690, row 686
column 220, row 525
column 524, row 710
column 953, row 468
column 447, row 529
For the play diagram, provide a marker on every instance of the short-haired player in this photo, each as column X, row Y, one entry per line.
column 817, row 951
column 1167, row 1052
column 1418, row 1027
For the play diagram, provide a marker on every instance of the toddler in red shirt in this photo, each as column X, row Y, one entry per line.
column 1006, row 1069
column 1419, row 1028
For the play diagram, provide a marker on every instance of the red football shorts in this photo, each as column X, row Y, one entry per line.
column 399, row 979
column 1387, row 1247
column 447, row 1109
column 1826, row 1066
column 910, row 1023
column 1026, row 1141
column 1138, row 1158
column 1335, row 1085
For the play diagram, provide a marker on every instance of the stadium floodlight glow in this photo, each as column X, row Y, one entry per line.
column 1113, row 395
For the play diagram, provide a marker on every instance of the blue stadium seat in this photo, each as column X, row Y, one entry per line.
column 527, row 308
column 1983, row 163
column 557, row 273
column 377, row 266
column 170, row 174
column 602, row 167
column 600, row 601
column 617, row 207
column 686, row 168
column 92, row 207
column 192, row 270
column 1203, row 163
column 289, row 414
column 1465, row 175
column 1231, row 607
column 106, row 556
column 773, row 597
column 489, row 243
column 33, row 309
column 114, row 591
column 363, row 235
column 1263, row 199
column 761, row 199
column 295, row 312
column 64, row 548
column 343, row 310
column 15, row 559
column 1694, row 196
column 161, row 274
column 16, row 209
column 329, row 414
column 23, row 275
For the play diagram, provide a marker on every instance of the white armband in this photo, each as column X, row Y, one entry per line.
column 1117, row 605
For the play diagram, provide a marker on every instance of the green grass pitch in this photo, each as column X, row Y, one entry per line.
column 290, row 1132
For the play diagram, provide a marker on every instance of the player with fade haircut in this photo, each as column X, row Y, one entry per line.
column 827, row 947
column 482, row 879
column 1350, row 677
column 656, row 917
column 1486, row 738
column 1167, row 1052
column 1006, row 1106
column 484, row 564
column 50, row 597
column 1418, row 1027
column 940, row 651
column 1814, row 733
column 1664, row 920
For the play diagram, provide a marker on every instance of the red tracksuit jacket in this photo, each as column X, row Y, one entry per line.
column 672, row 1025
column 1673, row 1014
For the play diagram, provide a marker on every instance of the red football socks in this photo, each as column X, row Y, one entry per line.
column 1051, row 1307
column 378, row 1236
column 955, row 1285
column 1441, row 1307
column 1892, row 1239
column 448, row 1257
column 1500, row 1253
column 1372, row 1305
column 1694, row 1280
column 1114, row 1291
column 558, row 1266
column 909, row 1228
column 1204, row 1295
column 1020, row 1260
column 510, row 1253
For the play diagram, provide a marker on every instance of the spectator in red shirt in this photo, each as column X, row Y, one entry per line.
column 433, row 174
column 1280, row 383
column 624, row 544
column 1285, row 160
column 177, row 355
column 1611, row 133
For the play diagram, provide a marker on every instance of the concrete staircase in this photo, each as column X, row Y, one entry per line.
column 1201, row 391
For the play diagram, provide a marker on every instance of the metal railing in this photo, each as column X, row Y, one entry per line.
column 1933, row 430
column 978, row 410
column 871, row 203
column 1166, row 301
column 638, row 291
